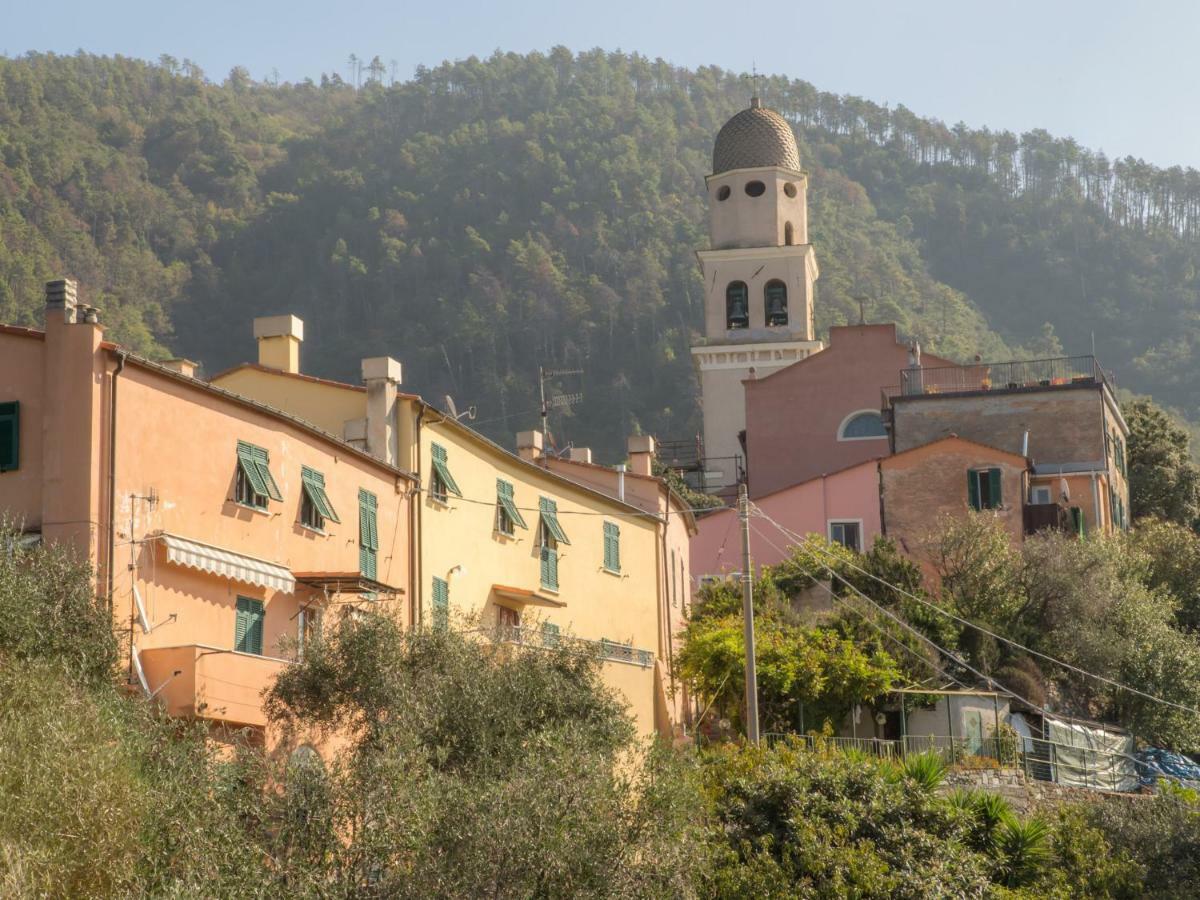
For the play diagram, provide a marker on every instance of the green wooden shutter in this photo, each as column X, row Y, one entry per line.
column 10, row 436
column 441, row 603
column 550, row 635
column 314, row 486
column 504, row 496
column 994, row 487
column 973, row 489
column 612, row 547
column 442, row 468
column 1077, row 520
column 549, row 566
column 549, row 511
column 368, row 534
column 248, row 628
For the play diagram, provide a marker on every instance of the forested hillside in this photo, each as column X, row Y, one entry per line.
column 490, row 215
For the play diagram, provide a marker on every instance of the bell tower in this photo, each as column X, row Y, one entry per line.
column 758, row 277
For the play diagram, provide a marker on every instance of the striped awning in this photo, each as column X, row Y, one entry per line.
column 228, row 564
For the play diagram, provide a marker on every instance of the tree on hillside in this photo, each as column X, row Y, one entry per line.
column 1163, row 480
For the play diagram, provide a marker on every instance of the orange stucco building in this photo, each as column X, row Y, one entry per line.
column 220, row 529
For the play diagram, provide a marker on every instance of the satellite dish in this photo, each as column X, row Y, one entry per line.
column 143, row 619
column 141, row 673
column 452, row 408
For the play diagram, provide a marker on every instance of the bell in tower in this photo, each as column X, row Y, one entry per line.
column 758, row 275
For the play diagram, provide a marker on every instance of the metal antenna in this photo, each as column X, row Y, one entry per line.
column 559, row 400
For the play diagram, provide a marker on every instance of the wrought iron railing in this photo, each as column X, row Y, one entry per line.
column 983, row 376
column 614, row 651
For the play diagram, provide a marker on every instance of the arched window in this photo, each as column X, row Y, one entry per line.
column 864, row 425
column 775, row 301
column 737, row 305
column 789, row 235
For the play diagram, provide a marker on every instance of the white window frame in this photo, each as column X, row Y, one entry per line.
column 841, row 432
column 1033, row 494
column 829, row 523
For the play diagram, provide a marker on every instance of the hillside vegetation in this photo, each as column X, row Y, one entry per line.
column 490, row 215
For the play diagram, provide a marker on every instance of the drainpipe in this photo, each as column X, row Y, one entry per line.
column 112, row 478
column 1096, row 502
column 666, row 584
column 417, row 538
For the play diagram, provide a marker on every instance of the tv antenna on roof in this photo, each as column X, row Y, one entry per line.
column 452, row 408
column 558, row 401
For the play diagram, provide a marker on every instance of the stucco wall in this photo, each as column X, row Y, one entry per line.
column 793, row 415
column 927, row 483
column 328, row 406
column 21, row 379
column 744, row 221
column 852, row 494
column 795, row 266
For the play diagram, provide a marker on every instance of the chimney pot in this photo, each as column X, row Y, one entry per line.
column 61, row 298
column 183, row 366
column 580, row 454
column 377, row 367
column 279, row 339
column 529, row 445
column 642, row 449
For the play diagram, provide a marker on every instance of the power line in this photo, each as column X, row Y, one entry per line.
column 570, row 512
column 988, row 632
column 833, row 596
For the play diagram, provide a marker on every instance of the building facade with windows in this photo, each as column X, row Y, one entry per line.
column 220, row 529
column 509, row 544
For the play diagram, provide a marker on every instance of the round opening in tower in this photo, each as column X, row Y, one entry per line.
column 755, row 188
column 789, row 189
column 723, row 192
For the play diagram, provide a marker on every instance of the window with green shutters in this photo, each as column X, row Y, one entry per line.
column 441, row 482
column 508, row 517
column 368, row 533
column 612, row 547
column 315, row 507
column 983, row 489
column 549, row 511
column 550, row 535
column 441, row 603
column 10, row 436
column 1077, row 521
column 550, row 635
column 254, row 482
column 248, row 630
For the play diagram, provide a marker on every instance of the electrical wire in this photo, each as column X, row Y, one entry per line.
column 983, row 630
column 569, row 512
column 863, row 616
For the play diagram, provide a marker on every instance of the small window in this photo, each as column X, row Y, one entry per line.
column 1039, row 495
column 441, row 603
column 612, row 547
column 755, row 188
column 315, row 507
column 551, row 635
column 508, row 517
column 863, row 425
column 983, row 489
column 848, row 534
column 723, row 192
column 248, row 630
column 775, row 302
column 789, row 234
column 254, row 484
column 790, row 189
column 10, row 436
column 737, row 305
column 509, row 622
column 441, row 482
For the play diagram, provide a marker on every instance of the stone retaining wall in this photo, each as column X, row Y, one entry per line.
column 1028, row 794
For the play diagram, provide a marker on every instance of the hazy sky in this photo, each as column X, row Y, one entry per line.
column 1117, row 76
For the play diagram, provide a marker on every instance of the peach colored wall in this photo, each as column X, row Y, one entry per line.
column 792, row 416
column 923, row 485
column 806, row 508
column 21, row 379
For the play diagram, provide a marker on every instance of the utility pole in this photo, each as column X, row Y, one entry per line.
column 748, row 616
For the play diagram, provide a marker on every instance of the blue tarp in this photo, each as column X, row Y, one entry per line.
column 1154, row 763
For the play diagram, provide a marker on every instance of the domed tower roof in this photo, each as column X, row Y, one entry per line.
column 755, row 137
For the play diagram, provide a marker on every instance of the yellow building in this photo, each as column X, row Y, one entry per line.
column 521, row 545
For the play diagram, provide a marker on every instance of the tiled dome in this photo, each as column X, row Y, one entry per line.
column 755, row 137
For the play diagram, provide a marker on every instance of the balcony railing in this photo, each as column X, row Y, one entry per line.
column 1001, row 376
column 612, row 651
column 1046, row 516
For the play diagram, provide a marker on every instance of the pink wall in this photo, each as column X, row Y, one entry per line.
column 793, row 415
column 851, row 494
column 21, row 376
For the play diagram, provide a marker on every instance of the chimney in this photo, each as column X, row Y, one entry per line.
column 60, row 300
column 382, row 375
column 183, row 366
column 580, row 454
column 641, row 454
column 279, row 339
column 529, row 445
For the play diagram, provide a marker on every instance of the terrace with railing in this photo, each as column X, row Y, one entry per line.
column 1014, row 375
column 550, row 639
